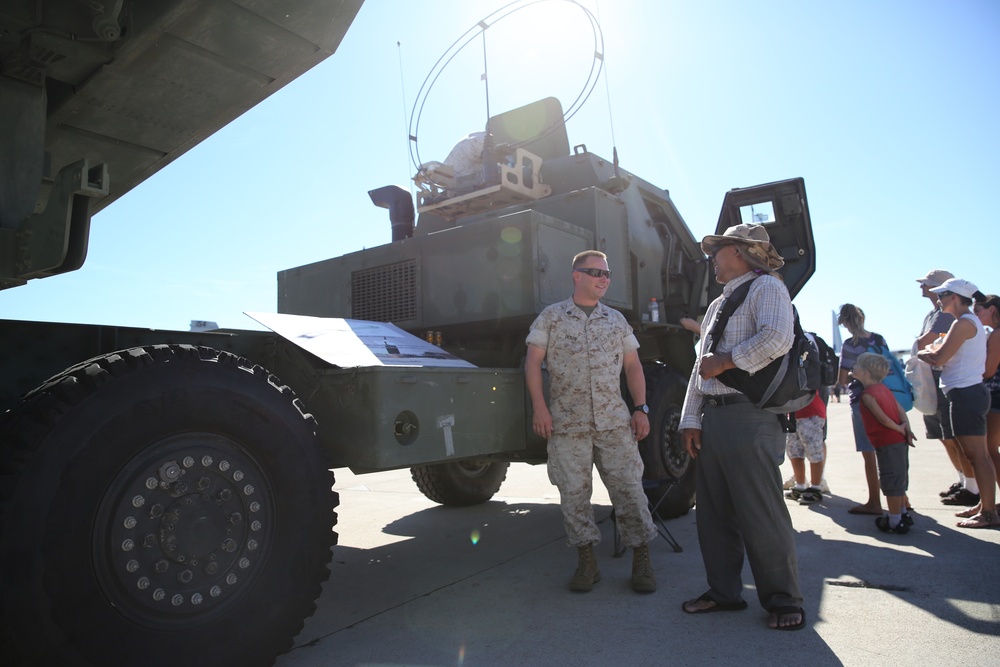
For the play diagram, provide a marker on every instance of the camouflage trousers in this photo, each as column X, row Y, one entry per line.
column 572, row 457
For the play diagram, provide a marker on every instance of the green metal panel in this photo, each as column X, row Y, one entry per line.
column 385, row 418
column 488, row 271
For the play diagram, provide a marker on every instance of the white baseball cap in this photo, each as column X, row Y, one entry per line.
column 957, row 286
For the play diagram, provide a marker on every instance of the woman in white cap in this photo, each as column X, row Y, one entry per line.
column 962, row 357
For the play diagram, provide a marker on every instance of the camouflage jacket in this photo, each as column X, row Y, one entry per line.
column 584, row 358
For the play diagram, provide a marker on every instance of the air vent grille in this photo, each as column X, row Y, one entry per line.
column 385, row 293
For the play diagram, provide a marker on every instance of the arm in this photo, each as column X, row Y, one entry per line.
column 961, row 330
column 905, row 422
column 992, row 354
column 926, row 339
column 541, row 422
column 869, row 402
column 771, row 309
column 690, row 425
column 940, row 321
column 637, row 388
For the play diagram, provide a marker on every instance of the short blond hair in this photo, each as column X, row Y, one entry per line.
column 874, row 364
column 580, row 258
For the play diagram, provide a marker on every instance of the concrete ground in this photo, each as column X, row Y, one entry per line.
column 414, row 583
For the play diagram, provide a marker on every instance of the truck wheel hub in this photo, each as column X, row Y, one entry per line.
column 186, row 541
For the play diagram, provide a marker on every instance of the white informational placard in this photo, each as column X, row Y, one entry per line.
column 352, row 343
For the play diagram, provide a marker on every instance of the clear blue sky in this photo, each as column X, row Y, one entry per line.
column 887, row 109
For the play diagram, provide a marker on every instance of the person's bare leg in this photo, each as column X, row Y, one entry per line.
column 815, row 473
column 798, row 470
column 958, row 457
column 871, row 476
column 974, row 448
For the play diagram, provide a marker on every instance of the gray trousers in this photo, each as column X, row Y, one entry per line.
column 741, row 509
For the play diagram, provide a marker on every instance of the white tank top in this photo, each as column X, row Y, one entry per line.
column 967, row 366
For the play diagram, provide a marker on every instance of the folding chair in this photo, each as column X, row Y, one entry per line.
column 661, row 527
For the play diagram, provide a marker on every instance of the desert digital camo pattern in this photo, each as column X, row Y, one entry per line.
column 571, row 458
column 584, row 359
column 590, row 420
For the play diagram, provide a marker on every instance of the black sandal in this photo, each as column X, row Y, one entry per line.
column 788, row 611
column 717, row 606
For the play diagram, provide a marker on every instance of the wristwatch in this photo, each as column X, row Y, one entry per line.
column 644, row 408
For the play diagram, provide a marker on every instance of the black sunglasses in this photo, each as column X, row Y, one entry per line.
column 942, row 295
column 595, row 273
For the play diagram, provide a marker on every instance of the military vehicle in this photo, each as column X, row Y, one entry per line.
column 164, row 498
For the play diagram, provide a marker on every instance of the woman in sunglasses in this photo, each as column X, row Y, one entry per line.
column 962, row 357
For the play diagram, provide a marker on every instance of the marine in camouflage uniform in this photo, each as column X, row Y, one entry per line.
column 587, row 421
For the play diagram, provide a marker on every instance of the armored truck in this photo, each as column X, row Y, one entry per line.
column 166, row 496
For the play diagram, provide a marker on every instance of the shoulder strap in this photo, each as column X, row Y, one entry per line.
column 734, row 301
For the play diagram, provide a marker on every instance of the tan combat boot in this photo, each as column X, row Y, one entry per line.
column 643, row 580
column 586, row 574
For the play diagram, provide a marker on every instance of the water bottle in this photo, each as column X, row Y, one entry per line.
column 654, row 310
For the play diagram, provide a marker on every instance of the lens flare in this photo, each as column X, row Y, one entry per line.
column 474, row 536
column 511, row 235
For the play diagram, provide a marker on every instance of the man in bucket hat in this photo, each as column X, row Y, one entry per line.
column 738, row 445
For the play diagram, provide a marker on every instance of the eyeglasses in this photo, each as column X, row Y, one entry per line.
column 595, row 273
column 942, row 295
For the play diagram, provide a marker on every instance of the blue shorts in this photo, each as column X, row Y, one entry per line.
column 861, row 441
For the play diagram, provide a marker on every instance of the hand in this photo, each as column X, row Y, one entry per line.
column 640, row 425
column 692, row 441
column 541, row 422
column 715, row 364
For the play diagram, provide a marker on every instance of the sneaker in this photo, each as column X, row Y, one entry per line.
column 882, row 523
column 793, row 493
column 961, row 497
column 810, row 496
column 789, row 483
column 952, row 490
column 907, row 519
column 823, row 486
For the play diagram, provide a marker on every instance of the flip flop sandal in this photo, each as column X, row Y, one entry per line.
column 788, row 611
column 981, row 520
column 967, row 514
column 716, row 606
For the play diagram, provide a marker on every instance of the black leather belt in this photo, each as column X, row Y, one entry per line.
column 726, row 399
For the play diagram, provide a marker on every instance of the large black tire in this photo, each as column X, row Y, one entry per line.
column 167, row 505
column 462, row 483
column 664, row 458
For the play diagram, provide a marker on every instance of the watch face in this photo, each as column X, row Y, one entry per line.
column 643, row 408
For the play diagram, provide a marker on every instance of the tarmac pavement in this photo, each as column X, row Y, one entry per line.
column 414, row 583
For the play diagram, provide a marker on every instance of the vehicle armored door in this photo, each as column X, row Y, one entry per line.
column 784, row 211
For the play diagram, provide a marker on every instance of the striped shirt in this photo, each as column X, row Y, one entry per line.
column 761, row 330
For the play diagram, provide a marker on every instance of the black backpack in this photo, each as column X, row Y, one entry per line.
column 785, row 385
column 829, row 364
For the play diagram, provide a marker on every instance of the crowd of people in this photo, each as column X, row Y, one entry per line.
column 738, row 445
column 960, row 341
